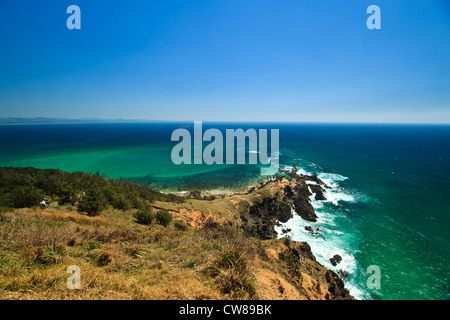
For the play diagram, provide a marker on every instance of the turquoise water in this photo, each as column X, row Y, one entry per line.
column 388, row 205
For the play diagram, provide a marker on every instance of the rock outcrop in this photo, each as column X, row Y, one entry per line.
column 278, row 200
column 311, row 280
column 260, row 218
column 256, row 213
column 335, row 259
column 318, row 192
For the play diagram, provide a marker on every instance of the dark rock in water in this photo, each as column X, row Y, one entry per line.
column 335, row 259
column 305, row 210
column 298, row 196
column 311, row 230
column 302, row 205
column 286, row 230
column 318, row 191
column 317, row 180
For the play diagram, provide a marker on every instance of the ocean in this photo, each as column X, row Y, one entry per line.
column 387, row 205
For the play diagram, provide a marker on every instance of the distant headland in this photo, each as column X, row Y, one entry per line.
column 49, row 120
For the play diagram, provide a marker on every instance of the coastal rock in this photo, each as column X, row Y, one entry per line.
column 318, row 191
column 302, row 249
column 335, row 259
column 336, row 286
column 297, row 194
column 302, row 205
column 274, row 200
column 317, row 180
column 262, row 216
column 318, row 281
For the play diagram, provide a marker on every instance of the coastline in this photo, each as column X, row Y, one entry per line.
column 330, row 255
column 240, row 217
column 312, row 191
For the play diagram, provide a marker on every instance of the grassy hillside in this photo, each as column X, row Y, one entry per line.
column 159, row 249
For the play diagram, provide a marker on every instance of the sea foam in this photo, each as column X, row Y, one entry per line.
column 327, row 240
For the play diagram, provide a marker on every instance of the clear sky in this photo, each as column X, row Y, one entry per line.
column 250, row 60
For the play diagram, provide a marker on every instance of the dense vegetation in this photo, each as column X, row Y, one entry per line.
column 25, row 187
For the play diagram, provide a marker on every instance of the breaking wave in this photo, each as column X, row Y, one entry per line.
column 328, row 236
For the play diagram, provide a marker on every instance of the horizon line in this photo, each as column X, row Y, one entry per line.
column 56, row 120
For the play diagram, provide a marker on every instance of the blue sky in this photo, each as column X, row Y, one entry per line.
column 230, row 60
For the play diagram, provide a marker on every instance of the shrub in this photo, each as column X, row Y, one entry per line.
column 232, row 274
column 45, row 255
column 121, row 202
column 343, row 274
column 5, row 209
column 144, row 217
column 180, row 226
column 293, row 263
column 25, row 197
column 195, row 194
column 163, row 217
column 52, row 254
column 91, row 203
column 67, row 195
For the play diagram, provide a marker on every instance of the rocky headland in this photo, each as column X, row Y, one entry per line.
column 257, row 211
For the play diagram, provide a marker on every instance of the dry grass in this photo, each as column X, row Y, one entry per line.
column 118, row 258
